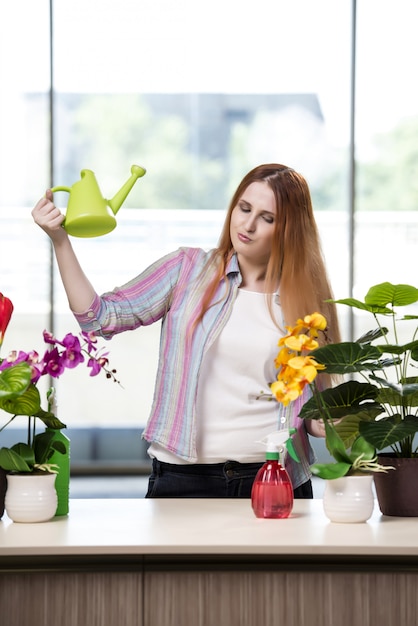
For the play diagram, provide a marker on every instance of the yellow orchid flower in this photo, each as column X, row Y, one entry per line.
column 285, row 393
column 316, row 320
column 313, row 323
column 287, row 374
column 301, row 342
column 296, row 370
column 306, row 371
column 299, row 362
column 283, row 357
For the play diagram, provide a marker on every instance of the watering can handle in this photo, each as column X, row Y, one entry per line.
column 54, row 189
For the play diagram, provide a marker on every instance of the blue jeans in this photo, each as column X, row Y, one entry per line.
column 218, row 480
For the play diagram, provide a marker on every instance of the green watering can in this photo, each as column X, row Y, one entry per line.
column 87, row 212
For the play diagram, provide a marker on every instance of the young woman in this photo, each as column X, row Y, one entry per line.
column 222, row 314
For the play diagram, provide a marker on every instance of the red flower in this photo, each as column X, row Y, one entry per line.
column 6, row 310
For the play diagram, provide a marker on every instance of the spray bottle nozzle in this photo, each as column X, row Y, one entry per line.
column 280, row 440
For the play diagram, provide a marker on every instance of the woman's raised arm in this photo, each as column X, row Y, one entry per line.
column 79, row 290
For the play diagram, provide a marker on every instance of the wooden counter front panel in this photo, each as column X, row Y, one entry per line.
column 273, row 598
column 71, row 599
column 209, row 598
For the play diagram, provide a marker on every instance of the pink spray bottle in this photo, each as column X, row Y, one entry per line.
column 272, row 491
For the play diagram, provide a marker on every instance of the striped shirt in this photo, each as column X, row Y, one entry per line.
column 171, row 290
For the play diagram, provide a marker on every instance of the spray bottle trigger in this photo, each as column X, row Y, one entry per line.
column 291, row 450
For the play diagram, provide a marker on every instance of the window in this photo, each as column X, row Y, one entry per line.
column 198, row 94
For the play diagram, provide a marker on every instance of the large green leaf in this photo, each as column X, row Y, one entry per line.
column 388, row 362
column 25, row 451
column 348, row 357
column 335, row 445
column 49, row 419
column 328, row 471
column 398, row 395
column 348, row 427
column 395, row 295
column 29, row 403
column 17, row 459
column 396, row 349
column 362, row 448
column 348, row 398
column 372, row 335
column 357, row 304
column 389, row 431
column 45, row 446
column 381, row 295
column 14, row 381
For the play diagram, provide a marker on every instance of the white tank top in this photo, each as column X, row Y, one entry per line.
column 236, row 369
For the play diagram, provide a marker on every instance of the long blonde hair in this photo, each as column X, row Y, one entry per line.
column 296, row 261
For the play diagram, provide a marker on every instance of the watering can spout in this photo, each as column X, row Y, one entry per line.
column 119, row 198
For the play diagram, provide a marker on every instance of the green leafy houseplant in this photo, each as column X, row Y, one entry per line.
column 380, row 409
column 19, row 395
column 298, row 367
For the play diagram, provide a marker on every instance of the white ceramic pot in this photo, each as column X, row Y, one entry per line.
column 31, row 497
column 349, row 499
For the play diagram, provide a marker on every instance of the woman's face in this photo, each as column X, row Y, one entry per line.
column 253, row 223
